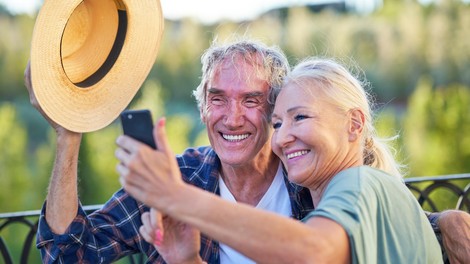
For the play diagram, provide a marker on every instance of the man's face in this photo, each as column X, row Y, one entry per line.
column 236, row 114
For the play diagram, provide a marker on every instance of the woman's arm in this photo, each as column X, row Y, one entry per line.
column 263, row 236
column 154, row 178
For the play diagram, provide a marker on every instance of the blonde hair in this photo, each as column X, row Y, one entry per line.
column 347, row 93
column 272, row 61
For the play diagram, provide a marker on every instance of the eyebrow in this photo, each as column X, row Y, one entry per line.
column 214, row 91
column 295, row 108
column 290, row 110
column 248, row 94
column 254, row 94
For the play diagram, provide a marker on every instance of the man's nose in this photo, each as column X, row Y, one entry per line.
column 235, row 115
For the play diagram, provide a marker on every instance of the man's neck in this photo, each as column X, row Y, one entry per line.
column 248, row 184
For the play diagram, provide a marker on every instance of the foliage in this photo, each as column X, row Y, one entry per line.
column 395, row 46
column 97, row 166
column 14, row 173
column 16, row 34
column 417, row 59
column 437, row 127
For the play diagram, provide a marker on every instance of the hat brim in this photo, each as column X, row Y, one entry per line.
column 82, row 107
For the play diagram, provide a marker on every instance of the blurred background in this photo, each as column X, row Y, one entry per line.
column 415, row 54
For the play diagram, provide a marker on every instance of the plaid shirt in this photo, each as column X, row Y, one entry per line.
column 112, row 232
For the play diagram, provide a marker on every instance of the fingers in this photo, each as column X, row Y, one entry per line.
column 132, row 180
column 152, row 227
column 129, row 148
column 163, row 144
column 156, row 218
column 131, row 154
column 123, row 171
column 128, row 144
column 27, row 76
column 146, row 228
column 131, row 145
column 35, row 103
column 134, row 167
column 29, row 86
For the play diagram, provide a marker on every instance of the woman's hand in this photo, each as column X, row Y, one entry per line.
column 154, row 178
column 150, row 176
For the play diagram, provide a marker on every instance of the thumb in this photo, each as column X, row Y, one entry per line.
column 161, row 139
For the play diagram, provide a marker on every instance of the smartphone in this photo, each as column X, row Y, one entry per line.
column 138, row 124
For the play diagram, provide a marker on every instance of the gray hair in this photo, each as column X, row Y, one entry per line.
column 273, row 65
column 346, row 92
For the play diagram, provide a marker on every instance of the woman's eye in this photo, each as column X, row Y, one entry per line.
column 276, row 125
column 300, row 117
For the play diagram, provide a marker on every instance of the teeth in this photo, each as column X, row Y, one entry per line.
column 296, row 154
column 235, row 137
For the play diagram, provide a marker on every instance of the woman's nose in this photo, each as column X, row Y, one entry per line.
column 283, row 136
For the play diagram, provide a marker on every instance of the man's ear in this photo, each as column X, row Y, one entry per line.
column 356, row 124
column 202, row 115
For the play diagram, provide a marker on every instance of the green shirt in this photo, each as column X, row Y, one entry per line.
column 383, row 220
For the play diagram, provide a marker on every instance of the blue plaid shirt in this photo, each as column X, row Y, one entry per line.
column 112, row 232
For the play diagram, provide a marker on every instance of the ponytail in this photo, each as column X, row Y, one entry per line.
column 380, row 155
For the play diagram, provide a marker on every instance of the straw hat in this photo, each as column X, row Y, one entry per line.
column 90, row 57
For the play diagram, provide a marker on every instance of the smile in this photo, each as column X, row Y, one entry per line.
column 296, row 154
column 235, row 138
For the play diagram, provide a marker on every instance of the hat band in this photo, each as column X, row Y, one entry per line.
column 113, row 54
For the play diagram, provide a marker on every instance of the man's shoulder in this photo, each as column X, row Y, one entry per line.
column 196, row 155
column 200, row 167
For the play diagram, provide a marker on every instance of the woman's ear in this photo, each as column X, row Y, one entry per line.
column 356, row 124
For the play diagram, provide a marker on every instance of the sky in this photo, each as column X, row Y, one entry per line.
column 211, row 11
column 207, row 11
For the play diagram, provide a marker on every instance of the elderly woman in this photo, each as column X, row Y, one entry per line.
column 324, row 135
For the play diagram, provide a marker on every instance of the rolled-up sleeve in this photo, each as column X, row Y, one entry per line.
column 104, row 236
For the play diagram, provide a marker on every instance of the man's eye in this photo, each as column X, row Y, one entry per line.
column 277, row 125
column 216, row 101
column 300, row 117
column 251, row 103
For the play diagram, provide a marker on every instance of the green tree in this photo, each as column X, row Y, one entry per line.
column 14, row 173
column 437, row 127
column 98, row 178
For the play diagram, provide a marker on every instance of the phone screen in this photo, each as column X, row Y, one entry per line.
column 138, row 124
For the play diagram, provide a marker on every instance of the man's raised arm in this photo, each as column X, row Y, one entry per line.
column 62, row 198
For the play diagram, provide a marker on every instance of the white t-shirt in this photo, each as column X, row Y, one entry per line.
column 276, row 199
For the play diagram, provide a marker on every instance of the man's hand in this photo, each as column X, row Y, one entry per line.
column 34, row 102
column 455, row 231
column 175, row 241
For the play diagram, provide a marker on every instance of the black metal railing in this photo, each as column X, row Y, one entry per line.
column 447, row 191
column 29, row 221
column 451, row 191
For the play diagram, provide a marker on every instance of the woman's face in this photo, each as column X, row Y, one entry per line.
column 311, row 135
